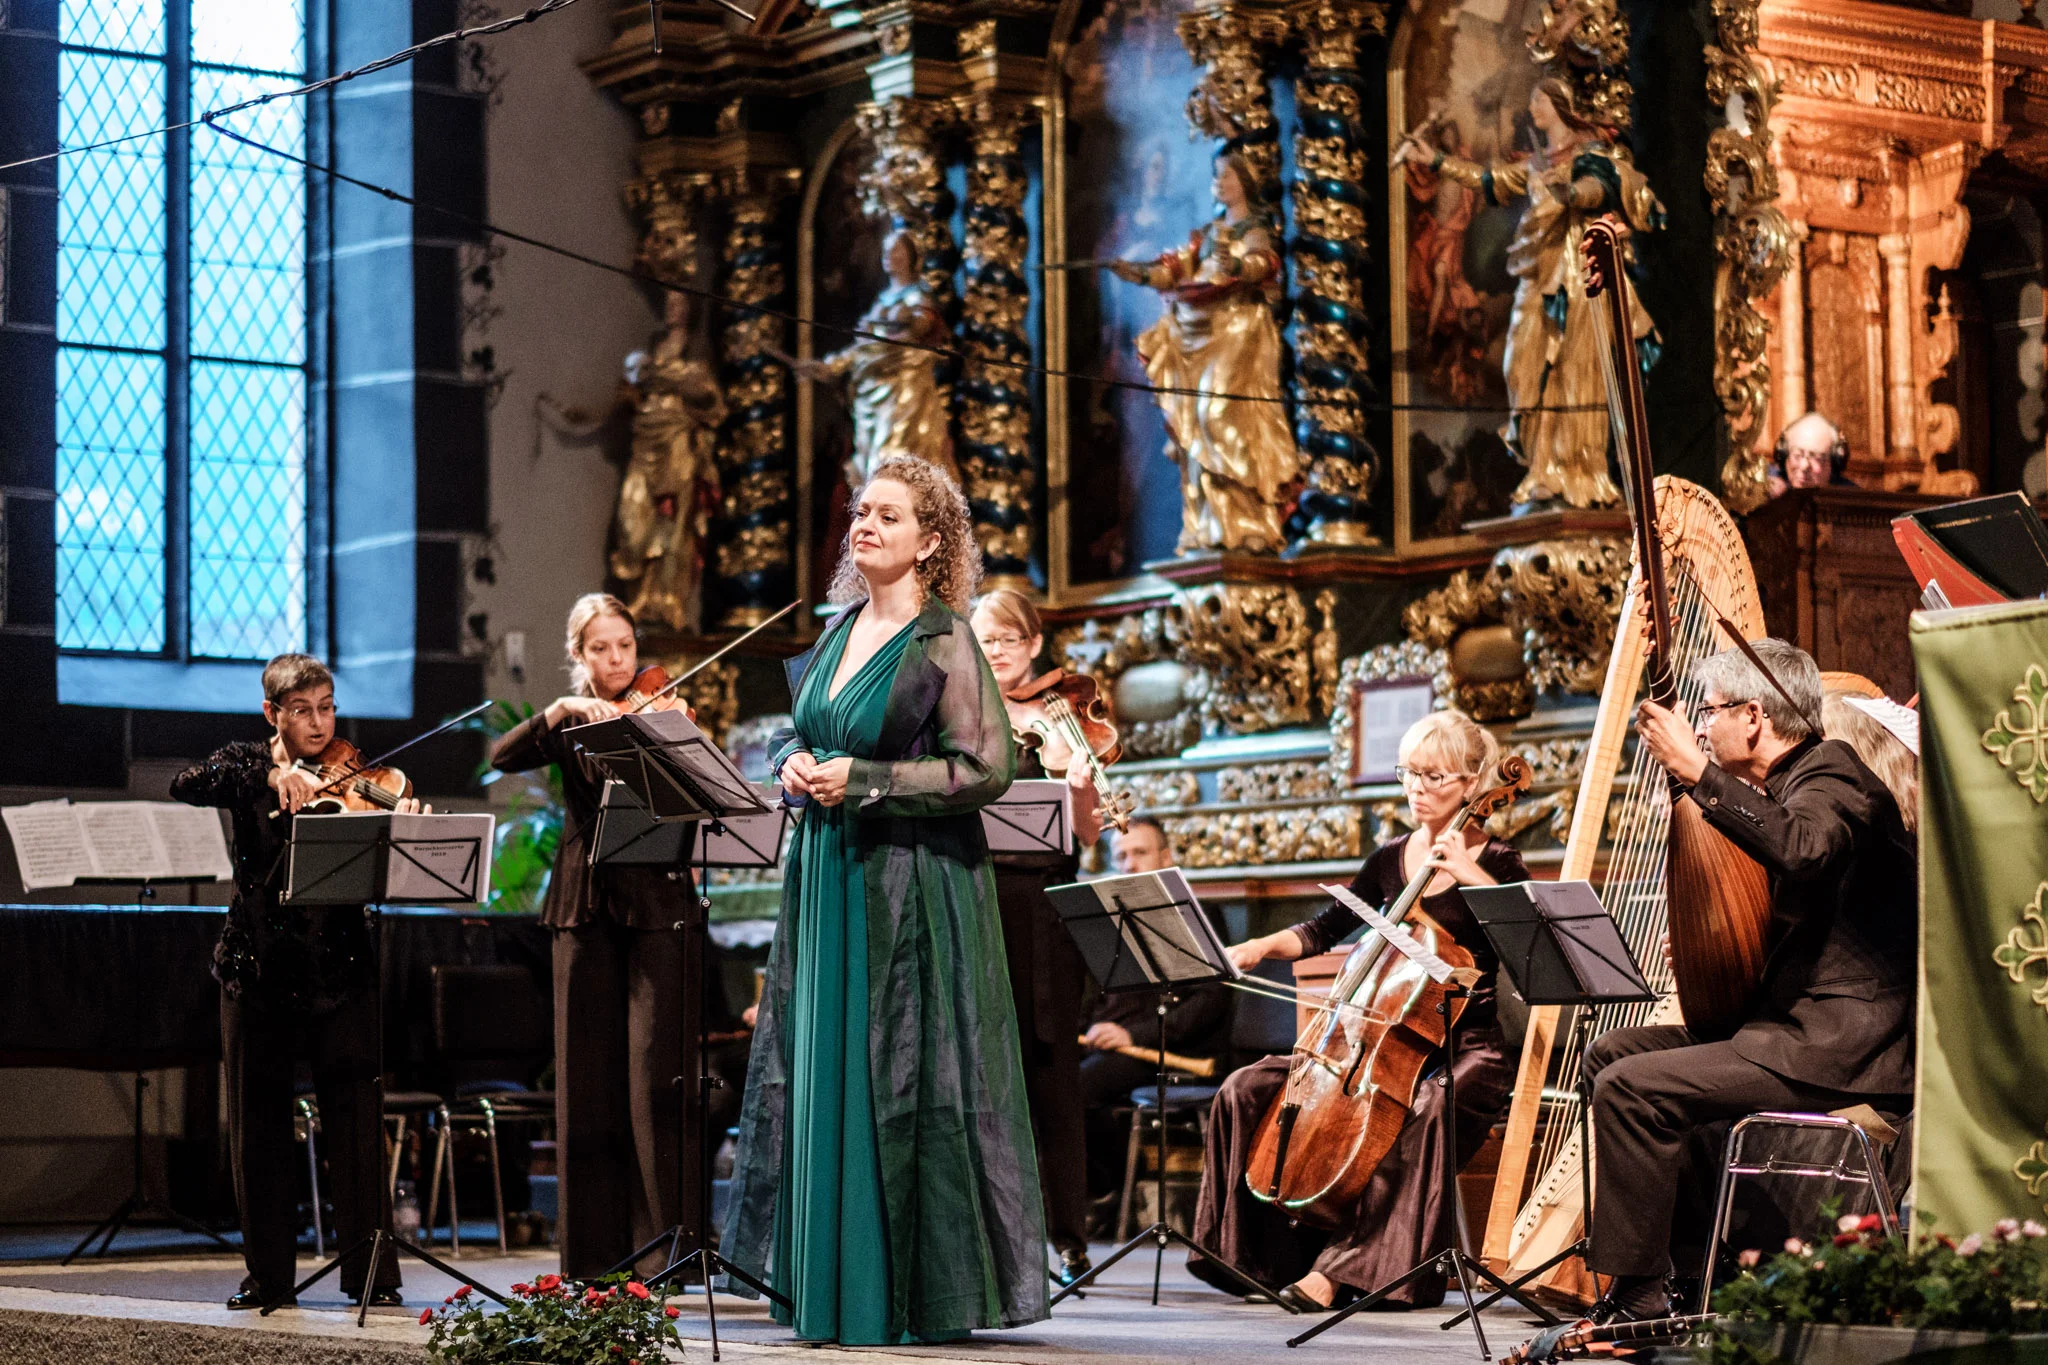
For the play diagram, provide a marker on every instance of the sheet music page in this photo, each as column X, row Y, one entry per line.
column 192, row 840
column 49, row 847
column 121, row 839
column 1409, row 946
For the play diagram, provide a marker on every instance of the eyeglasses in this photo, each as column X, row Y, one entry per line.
column 1424, row 778
column 1707, row 709
column 992, row 643
column 306, row 713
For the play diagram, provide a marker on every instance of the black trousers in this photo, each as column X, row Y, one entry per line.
column 1046, row 976
column 1652, row 1088
column 261, row 1049
column 1107, row 1080
column 618, row 1051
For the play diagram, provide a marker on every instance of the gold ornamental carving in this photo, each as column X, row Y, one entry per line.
column 906, row 182
column 1230, row 100
column 1406, row 659
column 1253, row 838
column 1161, row 790
column 1261, row 784
column 1754, row 246
column 1251, row 643
column 1564, row 597
column 1107, row 650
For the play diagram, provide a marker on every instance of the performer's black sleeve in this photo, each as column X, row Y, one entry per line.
column 1329, row 928
column 533, row 743
column 237, row 776
column 1803, row 838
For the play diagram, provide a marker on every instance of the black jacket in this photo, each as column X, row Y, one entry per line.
column 1835, row 1007
column 296, row 958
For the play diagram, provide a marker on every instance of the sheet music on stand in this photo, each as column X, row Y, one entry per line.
column 385, row 858
column 1143, row 931
column 670, row 765
column 60, row 843
column 1033, row 816
column 627, row 835
column 1557, row 943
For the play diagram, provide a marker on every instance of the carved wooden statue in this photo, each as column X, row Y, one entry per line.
column 1558, row 424
column 671, row 481
column 899, row 407
column 1216, row 349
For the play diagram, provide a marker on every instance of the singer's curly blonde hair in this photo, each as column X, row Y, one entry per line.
column 953, row 571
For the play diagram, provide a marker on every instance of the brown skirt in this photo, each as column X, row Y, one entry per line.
column 1401, row 1221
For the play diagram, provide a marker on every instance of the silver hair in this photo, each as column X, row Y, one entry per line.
column 1737, row 680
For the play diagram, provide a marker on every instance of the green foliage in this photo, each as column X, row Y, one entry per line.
column 1853, row 1275
column 613, row 1321
column 529, row 829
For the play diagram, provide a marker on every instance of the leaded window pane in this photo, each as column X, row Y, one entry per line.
column 110, row 500
column 248, row 510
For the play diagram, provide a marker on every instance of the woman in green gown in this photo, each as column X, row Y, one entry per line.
column 885, row 1182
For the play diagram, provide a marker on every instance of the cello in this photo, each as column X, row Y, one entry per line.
column 1352, row 1077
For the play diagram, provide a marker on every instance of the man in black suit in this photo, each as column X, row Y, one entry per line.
column 1832, row 1022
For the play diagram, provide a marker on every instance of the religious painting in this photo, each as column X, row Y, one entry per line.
column 844, row 274
column 1134, row 186
column 1460, row 75
column 1381, row 713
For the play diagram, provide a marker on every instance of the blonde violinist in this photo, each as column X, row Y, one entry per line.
column 1046, row 975
column 1445, row 760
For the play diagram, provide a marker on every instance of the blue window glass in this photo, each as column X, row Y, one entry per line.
column 233, row 476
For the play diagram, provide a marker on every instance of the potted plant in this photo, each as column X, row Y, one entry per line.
column 553, row 1321
column 1855, row 1295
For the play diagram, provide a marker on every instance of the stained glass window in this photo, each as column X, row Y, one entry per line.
column 198, row 439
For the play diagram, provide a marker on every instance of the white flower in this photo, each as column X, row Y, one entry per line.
column 2006, row 1229
column 1795, row 1246
column 1970, row 1245
column 2030, row 1228
column 1848, row 1222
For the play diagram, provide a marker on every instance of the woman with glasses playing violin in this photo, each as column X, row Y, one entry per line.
column 1047, row 978
column 295, row 982
column 1446, row 759
column 618, row 965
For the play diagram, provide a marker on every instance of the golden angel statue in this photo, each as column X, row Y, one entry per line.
column 899, row 407
column 1216, row 352
column 671, row 481
column 1557, row 424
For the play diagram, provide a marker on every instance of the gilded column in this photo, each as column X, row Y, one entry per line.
column 752, row 562
column 994, row 399
column 1792, row 332
column 1753, row 240
column 1329, row 253
column 1902, row 460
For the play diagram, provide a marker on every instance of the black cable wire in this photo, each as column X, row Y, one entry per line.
column 382, row 63
column 762, row 310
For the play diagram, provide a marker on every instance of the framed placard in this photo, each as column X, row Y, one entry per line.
column 1381, row 712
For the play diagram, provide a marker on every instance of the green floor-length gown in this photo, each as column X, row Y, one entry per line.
column 830, row 1256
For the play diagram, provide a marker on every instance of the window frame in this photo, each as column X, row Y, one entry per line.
column 174, row 678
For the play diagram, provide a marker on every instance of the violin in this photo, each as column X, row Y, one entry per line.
column 651, row 690
column 1352, row 1077
column 355, row 785
column 1062, row 715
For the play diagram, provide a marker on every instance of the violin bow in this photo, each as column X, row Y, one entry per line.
column 674, row 683
column 392, row 753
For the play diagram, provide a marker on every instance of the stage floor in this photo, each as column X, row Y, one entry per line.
column 1115, row 1322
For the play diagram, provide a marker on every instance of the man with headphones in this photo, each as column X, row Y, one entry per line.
column 1810, row 454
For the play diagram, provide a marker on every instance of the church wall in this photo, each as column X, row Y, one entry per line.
column 558, row 151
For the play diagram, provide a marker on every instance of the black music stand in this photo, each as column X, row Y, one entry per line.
column 1558, row 945
column 385, row 858
column 1456, row 1259
column 1147, row 932
column 668, row 779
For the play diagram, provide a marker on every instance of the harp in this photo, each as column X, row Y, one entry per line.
column 1659, row 866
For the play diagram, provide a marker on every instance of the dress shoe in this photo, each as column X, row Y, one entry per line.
column 1293, row 1296
column 385, row 1297
column 248, row 1298
column 1632, row 1299
column 1073, row 1265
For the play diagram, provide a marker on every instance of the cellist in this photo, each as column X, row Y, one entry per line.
column 1446, row 759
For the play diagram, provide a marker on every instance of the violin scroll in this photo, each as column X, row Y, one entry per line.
column 1515, row 777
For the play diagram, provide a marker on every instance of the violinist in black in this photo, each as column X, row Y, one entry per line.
column 1446, row 759
column 296, row 983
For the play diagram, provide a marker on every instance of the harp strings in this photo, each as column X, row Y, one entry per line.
column 1633, row 888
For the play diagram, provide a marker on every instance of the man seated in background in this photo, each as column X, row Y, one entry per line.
column 1194, row 1028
